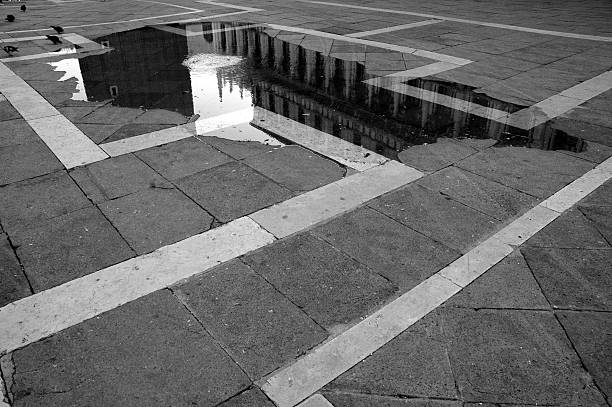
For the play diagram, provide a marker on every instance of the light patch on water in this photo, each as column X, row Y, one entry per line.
column 210, row 62
column 71, row 69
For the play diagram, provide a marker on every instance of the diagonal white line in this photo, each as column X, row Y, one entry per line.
column 394, row 28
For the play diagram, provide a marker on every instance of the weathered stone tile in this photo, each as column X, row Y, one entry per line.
column 296, row 168
column 415, row 364
column 7, row 111
column 573, row 278
column 98, row 132
column 14, row 283
column 135, row 129
column 591, row 335
column 148, row 352
column 391, row 249
column 535, row 172
column 17, row 131
column 515, row 357
column 232, row 190
column 112, row 115
column 436, row 216
column 260, row 328
column 230, row 141
column 155, row 217
column 182, row 158
column 161, row 116
column 22, row 161
column 68, row 247
column 601, row 218
column 33, row 202
column 250, row 398
column 477, row 192
column 116, row 177
column 328, row 285
column 339, row 399
column 508, row 284
column 432, row 157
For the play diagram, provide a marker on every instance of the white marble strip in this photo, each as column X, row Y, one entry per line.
column 406, row 50
column 290, row 385
column 317, row 400
column 339, row 150
column 40, row 315
column 462, row 20
column 64, row 139
column 157, row 138
column 393, row 28
column 311, row 208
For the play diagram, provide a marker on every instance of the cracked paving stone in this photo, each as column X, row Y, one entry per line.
column 339, row 399
column 600, row 217
column 14, row 283
column 250, row 398
column 149, row 352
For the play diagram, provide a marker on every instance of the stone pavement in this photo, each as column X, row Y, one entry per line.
column 411, row 207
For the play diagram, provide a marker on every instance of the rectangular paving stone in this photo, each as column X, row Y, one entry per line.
column 249, row 398
column 135, row 129
column 116, row 177
column 366, row 400
column 329, row 286
column 393, row 250
column 515, row 357
column 111, row 115
column 535, row 172
column 434, row 156
column 260, row 328
column 234, row 148
column 98, row 132
column 441, row 218
column 602, row 196
column 232, row 190
column 35, row 201
column 24, row 161
column 296, row 168
column 414, row 364
column 14, row 283
column 68, row 247
column 573, row 278
column 479, row 193
column 16, row 131
column 146, row 353
column 155, row 217
column 600, row 218
column 182, row 158
column 591, row 335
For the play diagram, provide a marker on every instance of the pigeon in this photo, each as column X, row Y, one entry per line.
column 10, row 18
column 23, row 8
column 54, row 39
column 9, row 49
column 58, row 29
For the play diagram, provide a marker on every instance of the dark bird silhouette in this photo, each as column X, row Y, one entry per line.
column 9, row 49
column 54, row 39
column 23, row 8
column 58, row 29
column 10, row 18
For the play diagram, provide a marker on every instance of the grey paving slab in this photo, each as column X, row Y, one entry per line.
column 249, row 398
column 436, row 216
column 434, row 156
column 602, row 196
column 7, row 111
column 23, row 161
column 98, row 132
column 112, row 115
column 135, row 129
column 570, row 230
column 296, row 168
column 116, row 177
column 593, row 151
column 535, row 172
column 601, row 218
column 415, row 364
column 74, row 113
column 260, row 328
column 237, row 149
column 591, row 335
column 33, row 202
column 587, row 131
column 516, row 356
column 479, row 193
column 573, row 278
column 391, row 249
column 68, row 247
column 161, row 116
column 508, row 284
column 155, row 217
column 16, row 131
column 329, row 286
column 149, row 352
column 232, row 190
column 14, row 283
column 339, row 399
column 182, row 158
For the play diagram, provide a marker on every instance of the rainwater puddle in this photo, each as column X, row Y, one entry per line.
column 228, row 71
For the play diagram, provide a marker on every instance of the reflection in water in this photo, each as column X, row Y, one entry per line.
column 210, row 69
column 71, row 70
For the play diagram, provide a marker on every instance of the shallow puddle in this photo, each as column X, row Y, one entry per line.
column 209, row 70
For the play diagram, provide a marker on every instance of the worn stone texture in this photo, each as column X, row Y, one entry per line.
column 600, row 218
column 14, row 283
column 339, row 399
column 391, row 249
column 232, row 190
column 27, row 160
column 329, row 286
column 16, row 131
column 570, row 230
column 155, row 217
column 250, row 398
column 434, row 156
column 260, row 328
column 148, row 352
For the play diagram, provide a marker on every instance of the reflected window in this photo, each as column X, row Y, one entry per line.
column 114, row 91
